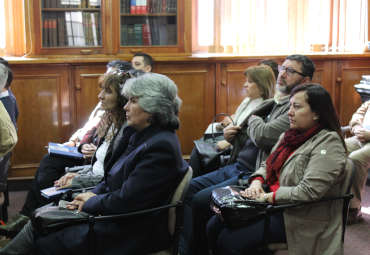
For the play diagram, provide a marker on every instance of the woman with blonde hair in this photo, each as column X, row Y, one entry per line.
column 259, row 85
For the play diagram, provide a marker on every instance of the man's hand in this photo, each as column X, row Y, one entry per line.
column 88, row 150
column 222, row 145
column 230, row 132
column 80, row 200
column 65, row 180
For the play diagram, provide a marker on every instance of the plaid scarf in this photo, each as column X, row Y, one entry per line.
column 293, row 138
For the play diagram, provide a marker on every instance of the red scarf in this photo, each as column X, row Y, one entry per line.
column 292, row 139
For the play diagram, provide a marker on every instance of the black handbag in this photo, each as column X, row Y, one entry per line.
column 50, row 218
column 234, row 209
column 206, row 148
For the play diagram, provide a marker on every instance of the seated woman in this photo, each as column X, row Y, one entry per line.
column 112, row 103
column 359, row 151
column 305, row 165
column 145, row 175
column 259, row 85
column 112, row 121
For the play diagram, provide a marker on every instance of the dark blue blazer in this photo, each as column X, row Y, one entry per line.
column 145, row 175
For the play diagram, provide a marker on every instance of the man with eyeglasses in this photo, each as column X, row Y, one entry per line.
column 262, row 130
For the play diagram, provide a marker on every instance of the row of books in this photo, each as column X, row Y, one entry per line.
column 71, row 3
column 148, row 6
column 71, row 29
column 149, row 33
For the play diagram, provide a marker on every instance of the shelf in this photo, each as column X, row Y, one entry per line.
column 148, row 14
column 70, row 9
column 110, row 27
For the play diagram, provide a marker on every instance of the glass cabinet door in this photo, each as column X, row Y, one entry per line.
column 148, row 23
column 71, row 23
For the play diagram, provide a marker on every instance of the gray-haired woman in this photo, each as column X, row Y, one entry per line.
column 145, row 176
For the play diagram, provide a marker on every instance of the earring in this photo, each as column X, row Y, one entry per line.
column 315, row 118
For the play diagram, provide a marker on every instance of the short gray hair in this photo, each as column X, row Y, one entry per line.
column 157, row 95
column 3, row 75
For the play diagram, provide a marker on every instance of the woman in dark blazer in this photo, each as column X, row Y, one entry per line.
column 144, row 176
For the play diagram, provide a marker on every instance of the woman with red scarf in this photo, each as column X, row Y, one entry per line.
column 306, row 164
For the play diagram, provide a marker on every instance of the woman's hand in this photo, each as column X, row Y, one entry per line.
column 65, row 180
column 70, row 143
column 254, row 191
column 362, row 134
column 226, row 121
column 88, row 150
column 222, row 145
column 80, row 200
column 230, row 132
column 265, row 197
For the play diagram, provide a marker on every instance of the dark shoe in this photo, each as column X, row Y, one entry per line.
column 4, row 242
column 14, row 225
column 354, row 216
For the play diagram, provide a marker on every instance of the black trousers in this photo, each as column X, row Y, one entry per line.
column 50, row 169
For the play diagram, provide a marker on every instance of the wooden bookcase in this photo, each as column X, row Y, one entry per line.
column 109, row 27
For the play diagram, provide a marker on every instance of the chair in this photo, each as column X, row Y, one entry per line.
column 4, row 167
column 174, row 217
column 282, row 248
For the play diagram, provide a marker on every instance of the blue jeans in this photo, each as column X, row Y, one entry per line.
column 196, row 207
column 244, row 240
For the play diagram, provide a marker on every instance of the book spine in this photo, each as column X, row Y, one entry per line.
column 164, row 6
column 147, row 41
column 145, row 7
column 133, row 7
column 45, row 41
column 54, row 32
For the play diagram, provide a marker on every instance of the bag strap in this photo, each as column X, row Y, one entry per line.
column 215, row 118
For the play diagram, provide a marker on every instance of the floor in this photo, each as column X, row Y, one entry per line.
column 357, row 239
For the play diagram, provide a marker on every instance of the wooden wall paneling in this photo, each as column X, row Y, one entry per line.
column 86, row 90
column 195, row 82
column 324, row 75
column 43, row 97
column 350, row 72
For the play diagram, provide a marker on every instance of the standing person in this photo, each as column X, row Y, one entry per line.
column 144, row 176
column 257, row 134
column 10, row 103
column 307, row 164
column 52, row 168
column 142, row 61
column 359, row 151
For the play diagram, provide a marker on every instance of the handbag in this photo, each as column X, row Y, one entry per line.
column 234, row 209
column 50, row 218
column 206, row 148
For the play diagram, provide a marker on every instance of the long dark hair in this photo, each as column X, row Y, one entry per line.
column 320, row 103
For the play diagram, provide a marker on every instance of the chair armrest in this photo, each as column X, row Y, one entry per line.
column 113, row 217
column 82, row 189
column 345, row 129
column 275, row 208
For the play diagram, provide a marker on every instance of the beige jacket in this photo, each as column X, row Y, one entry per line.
column 313, row 171
column 8, row 134
column 359, row 116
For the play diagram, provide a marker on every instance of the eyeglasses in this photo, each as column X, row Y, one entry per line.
column 289, row 71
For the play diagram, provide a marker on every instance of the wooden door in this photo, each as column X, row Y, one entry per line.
column 195, row 83
column 45, row 115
